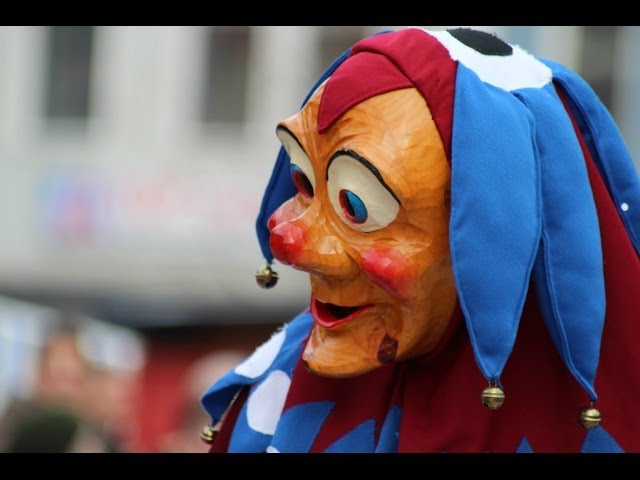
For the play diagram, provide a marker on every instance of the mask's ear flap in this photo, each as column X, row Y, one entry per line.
column 495, row 214
column 280, row 187
column 568, row 273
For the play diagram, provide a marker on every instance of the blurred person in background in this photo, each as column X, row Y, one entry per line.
column 114, row 357
column 53, row 420
column 82, row 396
column 38, row 427
column 62, row 369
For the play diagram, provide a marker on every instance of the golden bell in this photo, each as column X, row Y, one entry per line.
column 590, row 417
column 208, row 434
column 266, row 277
column 492, row 397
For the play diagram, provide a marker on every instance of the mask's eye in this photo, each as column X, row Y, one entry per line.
column 358, row 193
column 301, row 181
column 301, row 169
column 353, row 207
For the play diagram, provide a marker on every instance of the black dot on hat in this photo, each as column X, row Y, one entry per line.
column 482, row 42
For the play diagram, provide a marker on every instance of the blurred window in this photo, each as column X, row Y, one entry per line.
column 68, row 71
column 598, row 60
column 334, row 41
column 226, row 74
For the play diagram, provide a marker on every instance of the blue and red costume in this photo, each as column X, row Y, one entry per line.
column 565, row 273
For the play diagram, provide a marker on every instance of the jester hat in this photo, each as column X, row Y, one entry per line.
column 514, row 128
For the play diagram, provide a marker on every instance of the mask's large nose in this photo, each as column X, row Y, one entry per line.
column 301, row 237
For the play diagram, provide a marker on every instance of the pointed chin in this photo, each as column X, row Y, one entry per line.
column 337, row 357
column 350, row 346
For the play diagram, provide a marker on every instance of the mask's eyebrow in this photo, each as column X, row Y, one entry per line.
column 282, row 128
column 367, row 164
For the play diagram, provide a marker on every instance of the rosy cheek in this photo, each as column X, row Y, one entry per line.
column 389, row 269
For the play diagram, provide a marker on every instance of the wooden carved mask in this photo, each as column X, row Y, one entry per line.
column 370, row 225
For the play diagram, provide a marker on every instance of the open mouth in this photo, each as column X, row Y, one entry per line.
column 330, row 315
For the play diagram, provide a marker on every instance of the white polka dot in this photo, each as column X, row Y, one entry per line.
column 264, row 406
column 260, row 361
column 624, row 207
column 511, row 72
column 271, row 449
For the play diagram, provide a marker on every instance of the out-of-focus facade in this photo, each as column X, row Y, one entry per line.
column 133, row 159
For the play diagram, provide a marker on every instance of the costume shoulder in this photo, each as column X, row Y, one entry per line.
column 267, row 373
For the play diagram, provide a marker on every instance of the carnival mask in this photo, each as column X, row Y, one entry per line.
column 370, row 225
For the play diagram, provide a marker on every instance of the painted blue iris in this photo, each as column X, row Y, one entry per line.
column 353, row 207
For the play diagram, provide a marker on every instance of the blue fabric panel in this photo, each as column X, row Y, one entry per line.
column 598, row 440
column 495, row 214
column 299, row 426
column 390, row 432
column 606, row 146
column 358, row 440
column 218, row 397
column 524, row 446
column 568, row 272
column 245, row 439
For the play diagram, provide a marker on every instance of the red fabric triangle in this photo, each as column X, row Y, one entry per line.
column 360, row 77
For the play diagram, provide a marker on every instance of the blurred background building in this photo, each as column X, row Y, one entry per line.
column 132, row 165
